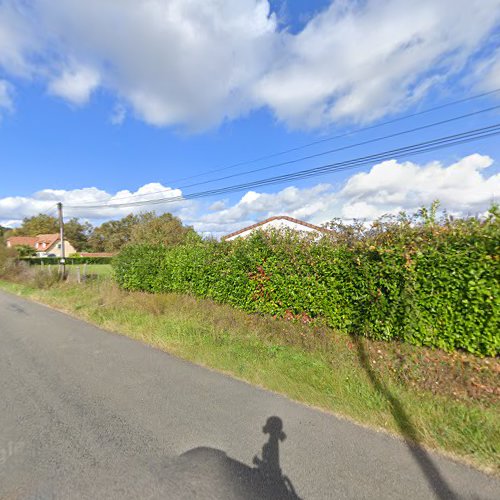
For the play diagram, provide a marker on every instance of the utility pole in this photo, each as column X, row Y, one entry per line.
column 61, row 239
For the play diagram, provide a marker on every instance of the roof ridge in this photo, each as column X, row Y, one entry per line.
column 276, row 217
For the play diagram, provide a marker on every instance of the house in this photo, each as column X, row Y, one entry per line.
column 43, row 244
column 18, row 241
column 279, row 222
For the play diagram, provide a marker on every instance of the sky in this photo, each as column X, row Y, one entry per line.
column 105, row 102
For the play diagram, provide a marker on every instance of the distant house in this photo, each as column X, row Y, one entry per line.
column 17, row 241
column 279, row 222
column 44, row 245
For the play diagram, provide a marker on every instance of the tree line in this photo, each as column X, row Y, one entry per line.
column 110, row 236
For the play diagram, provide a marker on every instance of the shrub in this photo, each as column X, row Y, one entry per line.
column 46, row 278
column 8, row 260
column 69, row 260
column 414, row 280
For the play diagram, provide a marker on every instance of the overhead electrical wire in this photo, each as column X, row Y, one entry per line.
column 345, row 134
column 316, row 155
column 405, row 151
column 49, row 210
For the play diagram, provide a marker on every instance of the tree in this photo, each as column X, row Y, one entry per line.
column 146, row 227
column 25, row 250
column 78, row 233
column 114, row 234
column 163, row 230
column 7, row 256
column 38, row 224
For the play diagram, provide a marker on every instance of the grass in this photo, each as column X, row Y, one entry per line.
column 89, row 269
column 444, row 401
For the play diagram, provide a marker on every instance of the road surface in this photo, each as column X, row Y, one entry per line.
column 89, row 414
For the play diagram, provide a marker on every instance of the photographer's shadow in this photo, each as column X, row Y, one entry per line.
column 209, row 473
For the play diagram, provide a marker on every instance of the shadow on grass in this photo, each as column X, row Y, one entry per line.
column 432, row 474
column 209, row 473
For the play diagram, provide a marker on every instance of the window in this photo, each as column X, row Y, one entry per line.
column 59, row 245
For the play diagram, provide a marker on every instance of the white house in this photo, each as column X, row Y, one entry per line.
column 279, row 222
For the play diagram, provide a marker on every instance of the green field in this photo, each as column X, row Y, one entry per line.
column 100, row 270
column 89, row 270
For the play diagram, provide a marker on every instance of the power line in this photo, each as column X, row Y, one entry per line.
column 405, row 151
column 346, row 134
column 49, row 211
column 316, row 155
column 336, row 167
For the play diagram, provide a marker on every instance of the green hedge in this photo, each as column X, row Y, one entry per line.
column 434, row 286
column 68, row 260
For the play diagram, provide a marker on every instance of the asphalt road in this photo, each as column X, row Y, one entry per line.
column 89, row 414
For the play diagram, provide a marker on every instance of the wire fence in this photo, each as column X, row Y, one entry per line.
column 75, row 273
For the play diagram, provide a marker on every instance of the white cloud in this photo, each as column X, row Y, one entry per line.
column 17, row 40
column 217, row 205
column 197, row 63
column 5, row 96
column 362, row 60
column 175, row 62
column 17, row 207
column 488, row 71
column 388, row 187
column 76, row 84
column 463, row 187
column 10, row 223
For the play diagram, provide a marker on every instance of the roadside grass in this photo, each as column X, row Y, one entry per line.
column 95, row 270
column 443, row 401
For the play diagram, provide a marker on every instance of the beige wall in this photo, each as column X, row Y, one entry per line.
column 68, row 249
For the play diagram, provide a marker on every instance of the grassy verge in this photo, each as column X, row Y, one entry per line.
column 98, row 270
column 443, row 401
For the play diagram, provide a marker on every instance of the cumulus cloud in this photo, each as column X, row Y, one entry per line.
column 17, row 39
column 174, row 62
column 253, row 206
column 14, row 208
column 463, row 187
column 197, row 63
column 361, row 60
column 75, row 85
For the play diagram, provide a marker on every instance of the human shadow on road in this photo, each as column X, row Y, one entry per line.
column 432, row 474
column 209, row 473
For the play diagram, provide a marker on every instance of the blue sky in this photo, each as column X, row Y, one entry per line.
column 94, row 113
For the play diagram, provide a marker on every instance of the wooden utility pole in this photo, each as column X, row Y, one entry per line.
column 61, row 239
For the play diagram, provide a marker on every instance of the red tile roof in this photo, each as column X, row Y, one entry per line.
column 277, row 217
column 22, row 240
column 45, row 241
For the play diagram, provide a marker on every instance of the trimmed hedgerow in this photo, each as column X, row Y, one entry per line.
column 426, row 283
column 33, row 261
